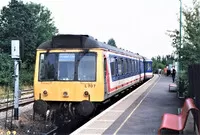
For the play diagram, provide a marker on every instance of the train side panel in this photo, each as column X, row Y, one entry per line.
column 124, row 71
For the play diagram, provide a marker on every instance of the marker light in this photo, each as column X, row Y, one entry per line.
column 45, row 92
column 65, row 94
column 86, row 93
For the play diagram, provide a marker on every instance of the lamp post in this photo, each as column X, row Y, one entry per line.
column 180, row 43
column 179, row 54
column 180, row 33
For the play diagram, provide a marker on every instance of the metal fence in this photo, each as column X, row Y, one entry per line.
column 194, row 86
column 194, row 83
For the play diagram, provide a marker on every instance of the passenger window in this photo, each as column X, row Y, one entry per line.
column 122, row 63
column 130, row 66
column 119, row 66
column 125, row 66
column 136, row 69
column 112, row 66
column 133, row 66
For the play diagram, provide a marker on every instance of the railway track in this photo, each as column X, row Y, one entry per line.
column 23, row 92
column 26, row 98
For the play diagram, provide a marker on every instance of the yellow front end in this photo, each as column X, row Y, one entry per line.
column 69, row 90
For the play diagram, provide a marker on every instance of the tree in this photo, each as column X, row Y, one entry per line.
column 112, row 42
column 191, row 46
column 164, row 60
column 31, row 22
column 189, row 51
column 160, row 63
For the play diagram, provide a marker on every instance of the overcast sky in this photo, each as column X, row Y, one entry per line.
column 135, row 25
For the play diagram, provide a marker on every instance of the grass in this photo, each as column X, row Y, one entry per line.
column 3, row 91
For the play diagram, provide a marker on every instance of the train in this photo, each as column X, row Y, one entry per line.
column 76, row 73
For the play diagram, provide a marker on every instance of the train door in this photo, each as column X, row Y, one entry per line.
column 143, row 71
column 144, row 68
column 139, row 68
column 105, row 77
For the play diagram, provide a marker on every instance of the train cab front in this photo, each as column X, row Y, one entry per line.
column 69, row 79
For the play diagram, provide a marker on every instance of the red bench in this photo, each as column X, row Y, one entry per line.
column 177, row 122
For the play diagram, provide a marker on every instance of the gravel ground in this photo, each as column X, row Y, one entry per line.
column 25, row 125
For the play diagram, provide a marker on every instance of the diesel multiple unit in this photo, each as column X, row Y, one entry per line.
column 75, row 73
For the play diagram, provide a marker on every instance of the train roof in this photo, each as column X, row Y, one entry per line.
column 147, row 59
column 80, row 41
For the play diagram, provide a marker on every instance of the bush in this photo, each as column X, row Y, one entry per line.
column 6, row 69
column 156, row 66
column 183, row 84
column 26, row 77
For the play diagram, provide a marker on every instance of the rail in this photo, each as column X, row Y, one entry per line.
column 23, row 92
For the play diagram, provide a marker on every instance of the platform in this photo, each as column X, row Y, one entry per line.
column 140, row 112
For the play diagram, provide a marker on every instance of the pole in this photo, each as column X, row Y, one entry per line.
column 16, row 82
column 180, row 43
column 180, row 32
column 179, row 53
column 15, row 53
column 180, row 21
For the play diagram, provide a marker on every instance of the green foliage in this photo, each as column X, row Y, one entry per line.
column 169, row 59
column 112, row 42
column 161, row 66
column 30, row 22
column 183, row 83
column 26, row 77
column 161, row 62
column 6, row 68
column 189, row 51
